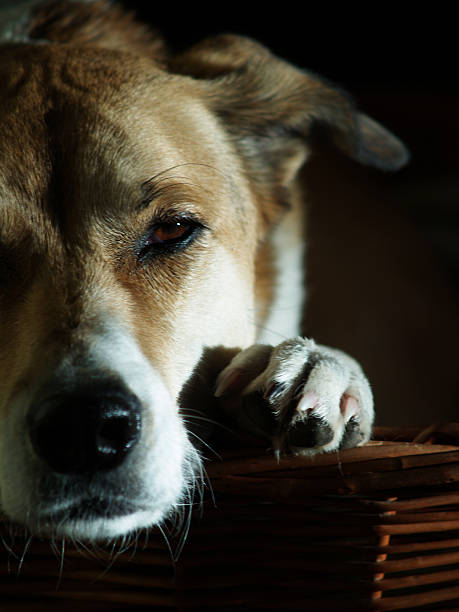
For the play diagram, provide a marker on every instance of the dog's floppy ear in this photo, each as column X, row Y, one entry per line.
column 269, row 106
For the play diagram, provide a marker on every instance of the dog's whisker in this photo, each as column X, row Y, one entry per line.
column 11, row 553
column 21, row 560
column 263, row 328
column 184, row 512
column 183, row 536
column 199, row 485
column 124, row 543
column 166, row 540
column 84, row 550
column 135, row 544
column 146, row 539
column 207, row 420
column 222, row 173
column 210, row 487
column 188, row 409
column 158, row 190
column 201, row 441
column 112, row 560
column 127, row 542
column 53, row 546
column 61, row 564
column 192, row 504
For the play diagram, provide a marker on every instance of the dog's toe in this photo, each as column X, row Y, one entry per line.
column 353, row 435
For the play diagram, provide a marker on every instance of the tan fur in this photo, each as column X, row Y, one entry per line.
column 74, row 240
column 95, row 24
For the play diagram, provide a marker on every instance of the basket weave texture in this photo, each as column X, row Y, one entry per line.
column 372, row 528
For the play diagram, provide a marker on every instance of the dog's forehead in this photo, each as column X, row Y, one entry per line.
column 78, row 124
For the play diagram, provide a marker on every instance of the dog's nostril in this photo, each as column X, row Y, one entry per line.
column 85, row 432
column 118, row 431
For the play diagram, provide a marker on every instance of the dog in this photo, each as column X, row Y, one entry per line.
column 151, row 233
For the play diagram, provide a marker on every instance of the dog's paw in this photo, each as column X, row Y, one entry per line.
column 303, row 396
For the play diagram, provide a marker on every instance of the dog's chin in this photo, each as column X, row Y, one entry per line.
column 105, row 507
column 98, row 518
column 80, row 523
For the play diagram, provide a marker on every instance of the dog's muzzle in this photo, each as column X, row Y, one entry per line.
column 96, row 448
column 89, row 431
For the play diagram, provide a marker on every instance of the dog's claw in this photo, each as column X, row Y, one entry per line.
column 228, row 381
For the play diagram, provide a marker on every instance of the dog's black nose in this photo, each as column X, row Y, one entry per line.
column 87, row 431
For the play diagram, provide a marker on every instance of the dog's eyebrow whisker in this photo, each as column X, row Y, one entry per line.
column 204, row 165
column 182, row 180
column 152, row 188
column 153, row 192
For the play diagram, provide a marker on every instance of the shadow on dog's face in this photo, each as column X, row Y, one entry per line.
column 127, row 245
column 132, row 205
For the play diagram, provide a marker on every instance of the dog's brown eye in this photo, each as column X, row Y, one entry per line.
column 168, row 237
column 164, row 232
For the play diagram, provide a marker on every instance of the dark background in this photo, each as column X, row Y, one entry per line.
column 400, row 66
column 397, row 233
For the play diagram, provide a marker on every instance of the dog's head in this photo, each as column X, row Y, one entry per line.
column 134, row 197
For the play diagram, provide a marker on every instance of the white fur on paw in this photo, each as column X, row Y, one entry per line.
column 305, row 397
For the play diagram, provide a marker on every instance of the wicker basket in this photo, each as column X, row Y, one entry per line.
column 373, row 528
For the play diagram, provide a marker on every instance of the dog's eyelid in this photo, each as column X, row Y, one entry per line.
column 178, row 212
column 175, row 216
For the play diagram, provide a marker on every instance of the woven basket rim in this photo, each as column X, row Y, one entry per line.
column 399, row 493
